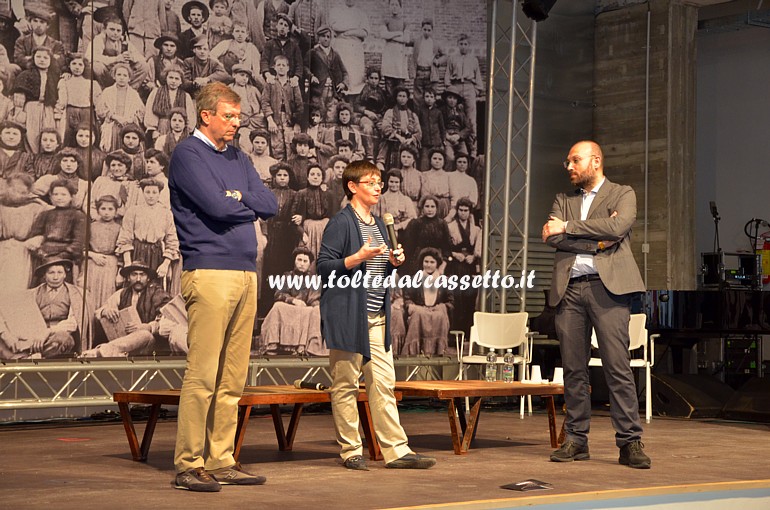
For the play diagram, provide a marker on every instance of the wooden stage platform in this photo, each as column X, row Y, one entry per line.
column 69, row 467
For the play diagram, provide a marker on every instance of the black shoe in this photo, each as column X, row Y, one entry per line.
column 196, row 479
column 236, row 475
column 356, row 462
column 631, row 455
column 412, row 461
column 570, row 451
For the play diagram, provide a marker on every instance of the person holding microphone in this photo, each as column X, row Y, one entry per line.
column 355, row 322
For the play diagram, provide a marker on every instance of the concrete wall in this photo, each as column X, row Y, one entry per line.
column 564, row 104
column 732, row 149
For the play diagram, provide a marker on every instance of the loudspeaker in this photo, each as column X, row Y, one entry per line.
column 751, row 402
column 689, row 395
column 537, row 9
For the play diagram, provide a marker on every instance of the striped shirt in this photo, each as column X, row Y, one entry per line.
column 375, row 297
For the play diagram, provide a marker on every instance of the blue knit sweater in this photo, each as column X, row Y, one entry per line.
column 216, row 231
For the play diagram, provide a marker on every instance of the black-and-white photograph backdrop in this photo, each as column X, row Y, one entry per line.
column 95, row 95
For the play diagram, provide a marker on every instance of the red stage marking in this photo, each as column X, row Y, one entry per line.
column 73, row 439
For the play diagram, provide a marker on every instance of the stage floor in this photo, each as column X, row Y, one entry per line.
column 67, row 467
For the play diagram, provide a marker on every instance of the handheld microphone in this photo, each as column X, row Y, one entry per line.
column 388, row 219
column 307, row 385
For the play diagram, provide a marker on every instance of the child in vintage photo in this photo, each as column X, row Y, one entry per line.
column 38, row 85
column 59, row 232
column 103, row 275
column 117, row 182
column 179, row 130
column 260, row 155
column 163, row 100
column 219, row 23
column 147, row 232
column 156, row 167
column 301, row 160
column 400, row 126
column 67, row 168
column 252, row 116
column 19, row 209
column 89, row 152
column 333, row 183
column 13, row 153
column 45, row 160
column 282, row 106
column 315, row 206
column 74, row 106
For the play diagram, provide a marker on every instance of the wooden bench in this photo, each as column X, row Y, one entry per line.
column 273, row 396
column 456, row 391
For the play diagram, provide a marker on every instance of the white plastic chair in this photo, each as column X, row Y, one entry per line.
column 499, row 331
column 637, row 332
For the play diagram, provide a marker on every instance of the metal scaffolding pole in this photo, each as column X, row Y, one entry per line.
column 510, row 101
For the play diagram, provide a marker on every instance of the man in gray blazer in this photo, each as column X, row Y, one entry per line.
column 594, row 276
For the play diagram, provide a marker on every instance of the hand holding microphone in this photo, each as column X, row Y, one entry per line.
column 397, row 253
column 307, row 385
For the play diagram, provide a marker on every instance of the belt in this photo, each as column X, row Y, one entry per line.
column 423, row 68
column 585, row 278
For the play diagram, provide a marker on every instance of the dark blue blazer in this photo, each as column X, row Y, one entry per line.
column 344, row 320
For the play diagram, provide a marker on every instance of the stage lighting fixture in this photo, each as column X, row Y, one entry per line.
column 537, row 9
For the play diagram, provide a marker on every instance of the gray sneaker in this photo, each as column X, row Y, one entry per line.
column 631, row 455
column 412, row 461
column 236, row 475
column 356, row 462
column 196, row 479
column 570, row 451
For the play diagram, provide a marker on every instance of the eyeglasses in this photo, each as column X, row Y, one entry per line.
column 228, row 117
column 372, row 184
column 575, row 161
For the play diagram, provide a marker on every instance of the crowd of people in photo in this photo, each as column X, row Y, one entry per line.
column 94, row 97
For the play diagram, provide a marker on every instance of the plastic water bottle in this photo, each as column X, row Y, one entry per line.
column 491, row 368
column 508, row 366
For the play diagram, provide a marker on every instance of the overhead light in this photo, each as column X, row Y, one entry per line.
column 537, row 9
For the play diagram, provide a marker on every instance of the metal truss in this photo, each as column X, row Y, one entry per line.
column 80, row 383
column 509, row 142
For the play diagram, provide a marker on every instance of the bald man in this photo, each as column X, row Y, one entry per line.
column 594, row 278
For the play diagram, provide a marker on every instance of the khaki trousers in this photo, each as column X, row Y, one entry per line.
column 221, row 306
column 380, row 377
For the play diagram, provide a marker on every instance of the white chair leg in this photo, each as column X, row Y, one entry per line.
column 523, row 376
column 648, row 396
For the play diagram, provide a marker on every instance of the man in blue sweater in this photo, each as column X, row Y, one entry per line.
column 216, row 195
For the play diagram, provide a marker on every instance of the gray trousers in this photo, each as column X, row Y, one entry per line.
column 586, row 305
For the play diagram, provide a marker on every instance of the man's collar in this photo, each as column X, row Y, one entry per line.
column 205, row 139
column 595, row 188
